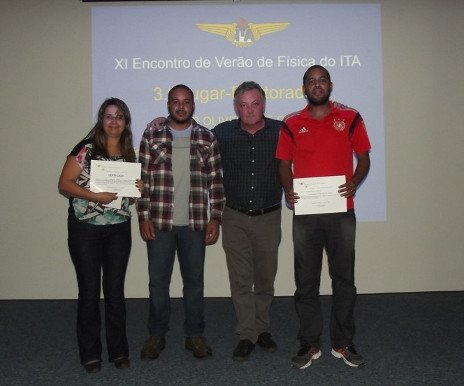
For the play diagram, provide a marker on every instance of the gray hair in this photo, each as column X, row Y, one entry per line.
column 248, row 86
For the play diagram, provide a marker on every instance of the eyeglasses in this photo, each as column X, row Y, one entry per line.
column 109, row 117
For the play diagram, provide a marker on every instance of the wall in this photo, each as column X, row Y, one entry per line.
column 46, row 108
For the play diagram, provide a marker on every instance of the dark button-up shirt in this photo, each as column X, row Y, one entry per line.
column 251, row 179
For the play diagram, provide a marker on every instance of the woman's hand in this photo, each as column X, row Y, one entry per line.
column 67, row 184
column 139, row 184
column 105, row 197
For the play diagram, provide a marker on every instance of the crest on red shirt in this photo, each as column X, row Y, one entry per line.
column 339, row 125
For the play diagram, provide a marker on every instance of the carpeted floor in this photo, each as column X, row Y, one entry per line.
column 407, row 339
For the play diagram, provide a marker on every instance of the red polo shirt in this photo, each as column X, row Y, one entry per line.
column 320, row 148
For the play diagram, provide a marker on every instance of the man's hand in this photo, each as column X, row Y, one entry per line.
column 156, row 123
column 147, row 230
column 362, row 168
column 291, row 197
column 212, row 232
column 347, row 190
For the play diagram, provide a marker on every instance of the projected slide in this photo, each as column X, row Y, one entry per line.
column 140, row 52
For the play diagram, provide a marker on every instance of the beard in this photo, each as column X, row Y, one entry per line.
column 180, row 121
column 319, row 101
column 173, row 117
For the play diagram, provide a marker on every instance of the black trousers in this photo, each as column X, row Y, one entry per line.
column 97, row 250
column 336, row 233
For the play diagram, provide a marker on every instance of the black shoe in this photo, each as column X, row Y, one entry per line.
column 243, row 350
column 93, row 366
column 349, row 355
column 266, row 342
column 122, row 363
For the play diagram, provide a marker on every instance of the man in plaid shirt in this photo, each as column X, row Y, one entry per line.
column 182, row 176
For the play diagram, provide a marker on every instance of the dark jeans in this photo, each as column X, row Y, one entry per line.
column 336, row 233
column 94, row 248
column 190, row 247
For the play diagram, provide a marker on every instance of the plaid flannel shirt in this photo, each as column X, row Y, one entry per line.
column 206, row 187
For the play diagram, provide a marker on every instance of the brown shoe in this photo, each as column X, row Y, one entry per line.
column 92, row 366
column 198, row 345
column 152, row 347
column 122, row 363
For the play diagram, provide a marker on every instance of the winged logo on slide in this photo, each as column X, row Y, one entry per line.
column 243, row 33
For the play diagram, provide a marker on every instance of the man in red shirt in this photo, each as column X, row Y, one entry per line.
column 319, row 141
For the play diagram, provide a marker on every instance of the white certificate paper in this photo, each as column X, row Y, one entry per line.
column 319, row 195
column 115, row 177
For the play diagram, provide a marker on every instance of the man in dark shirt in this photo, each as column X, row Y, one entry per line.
column 251, row 224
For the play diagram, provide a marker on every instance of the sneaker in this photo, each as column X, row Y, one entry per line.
column 198, row 345
column 305, row 357
column 152, row 347
column 349, row 355
column 266, row 342
column 243, row 350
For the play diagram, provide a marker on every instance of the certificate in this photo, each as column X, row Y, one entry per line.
column 319, row 195
column 115, row 177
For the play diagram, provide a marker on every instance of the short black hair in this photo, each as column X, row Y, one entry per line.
column 180, row 86
column 312, row 68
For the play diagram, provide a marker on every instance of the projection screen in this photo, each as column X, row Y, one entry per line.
column 140, row 52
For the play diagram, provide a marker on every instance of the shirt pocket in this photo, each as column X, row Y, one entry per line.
column 202, row 156
column 158, row 153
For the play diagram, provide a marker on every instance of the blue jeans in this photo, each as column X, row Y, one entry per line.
column 93, row 249
column 334, row 232
column 190, row 247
